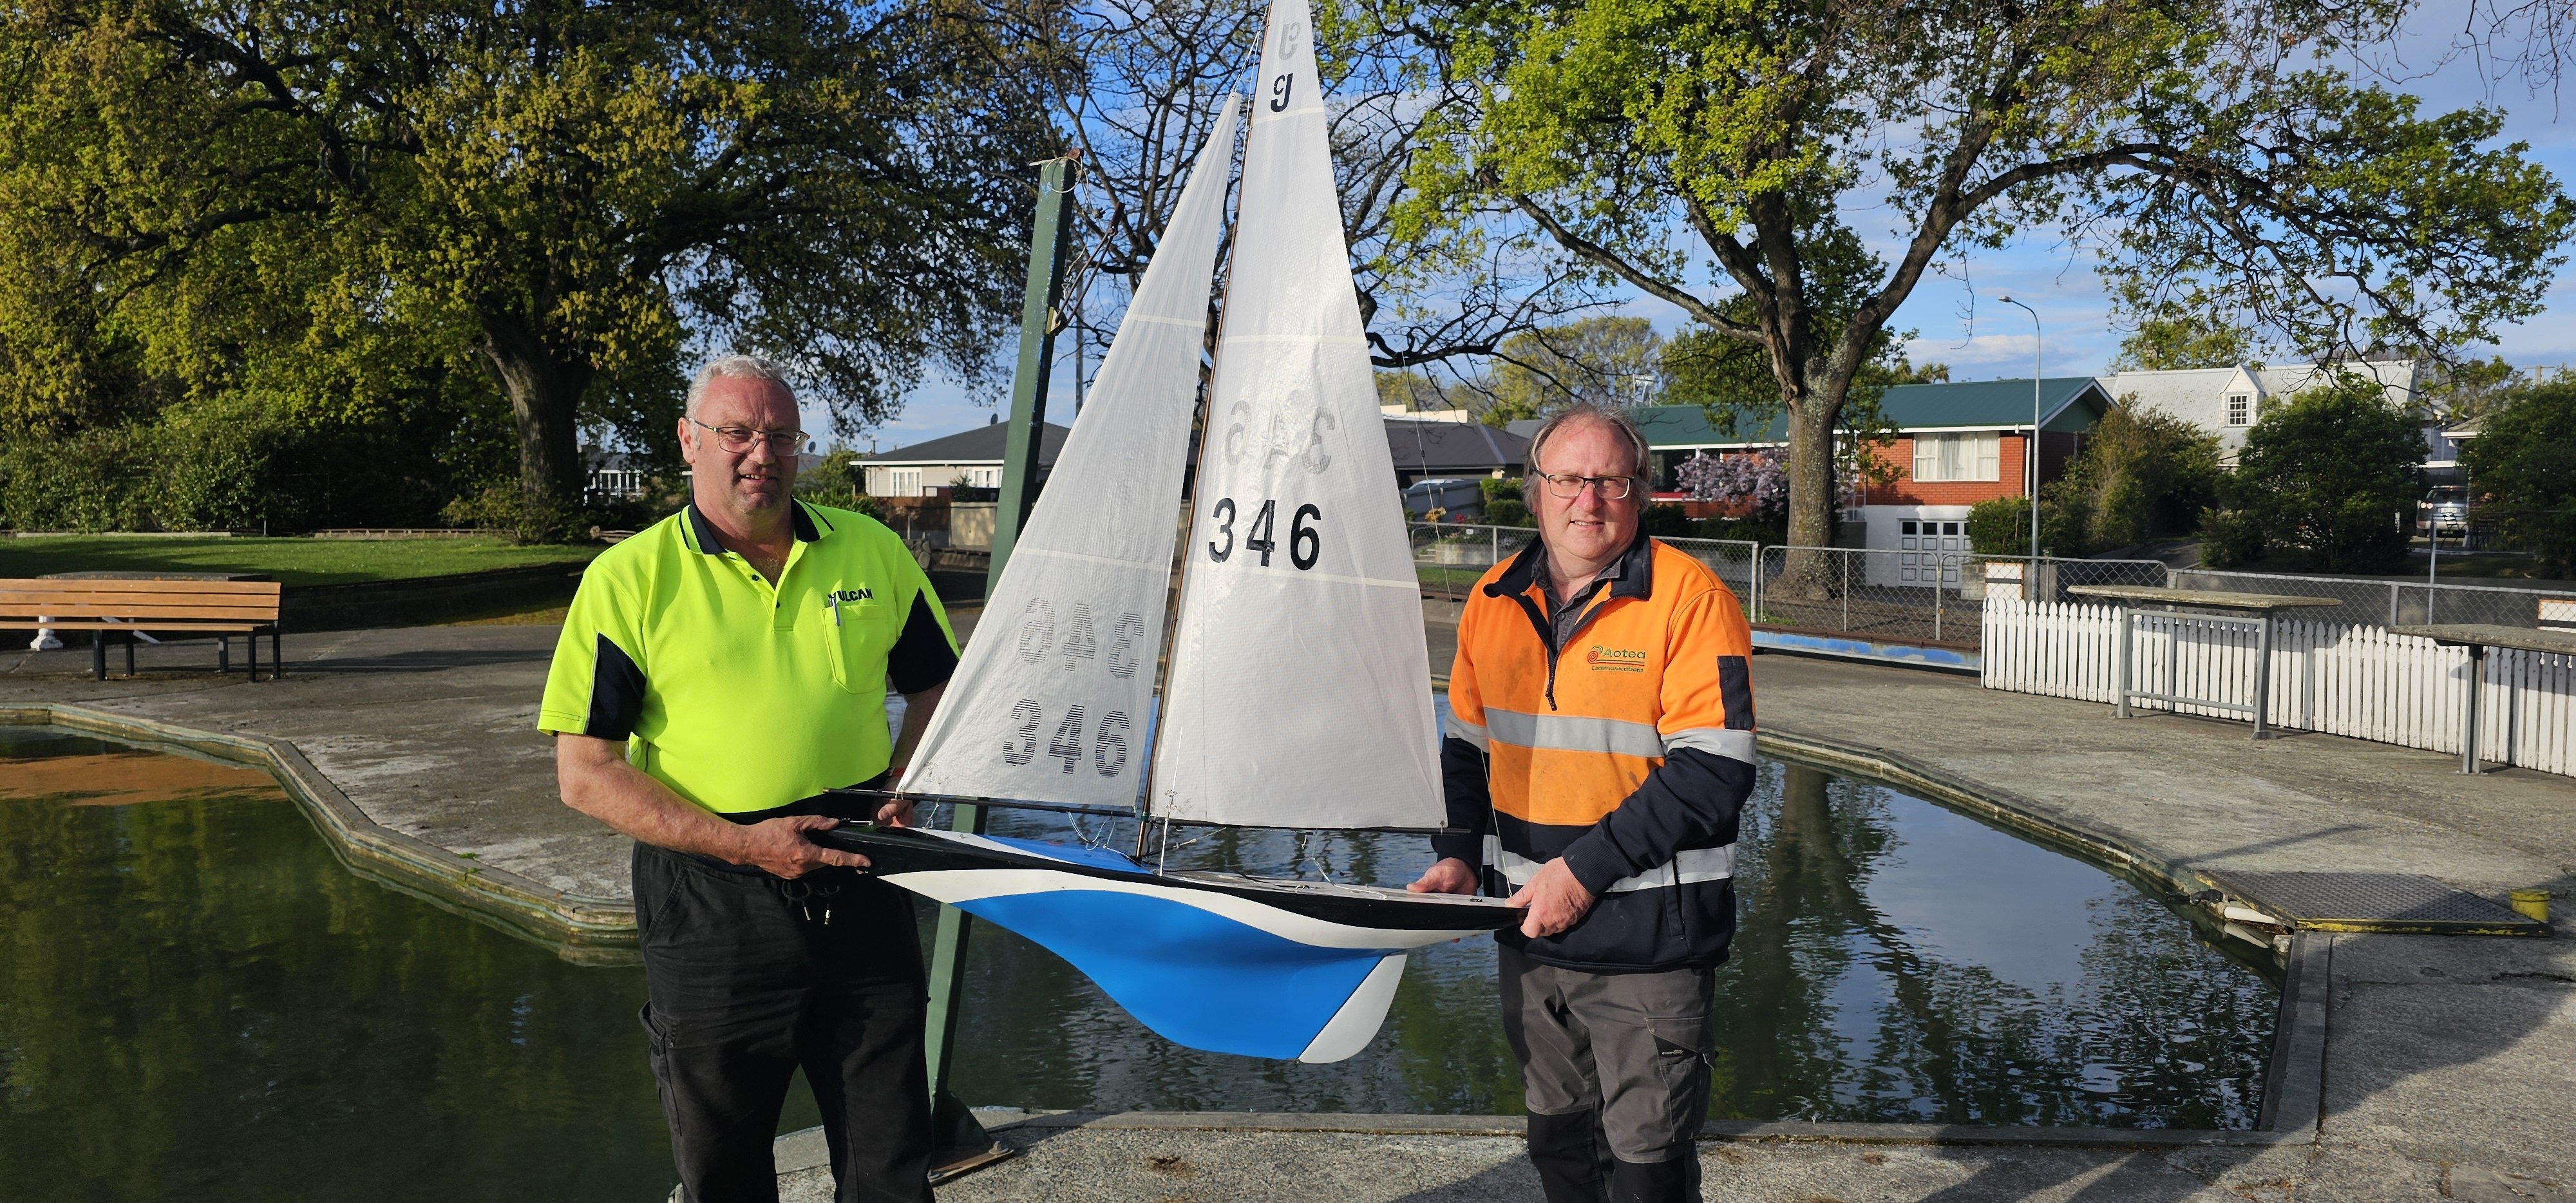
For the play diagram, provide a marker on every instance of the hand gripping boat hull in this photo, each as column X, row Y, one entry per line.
column 1259, row 967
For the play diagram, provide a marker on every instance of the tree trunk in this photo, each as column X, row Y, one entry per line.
column 545, row 399
column 1812, row 513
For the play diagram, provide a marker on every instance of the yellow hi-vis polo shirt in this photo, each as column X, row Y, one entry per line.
column 738, row 695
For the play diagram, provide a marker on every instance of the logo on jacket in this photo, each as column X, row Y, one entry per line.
column 846, row 596
column 1614, row 659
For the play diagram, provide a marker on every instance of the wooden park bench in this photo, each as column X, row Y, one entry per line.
column 111, row 607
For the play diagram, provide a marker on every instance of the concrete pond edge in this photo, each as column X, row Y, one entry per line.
column 585, row 929
column 576, row 927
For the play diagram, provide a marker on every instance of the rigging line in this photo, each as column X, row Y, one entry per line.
column 1086, row 558
column 1201, row 416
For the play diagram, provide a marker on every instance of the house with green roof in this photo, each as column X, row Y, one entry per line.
column 1955, row 445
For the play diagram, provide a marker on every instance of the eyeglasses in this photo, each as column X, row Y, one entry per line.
column 1569, row 485
column 738, row 439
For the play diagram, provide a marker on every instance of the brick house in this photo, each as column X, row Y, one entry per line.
column 1956, row 445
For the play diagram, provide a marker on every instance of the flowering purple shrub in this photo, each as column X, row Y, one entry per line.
column 1754, row 485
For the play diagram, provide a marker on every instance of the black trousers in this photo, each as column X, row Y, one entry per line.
column 750, row 977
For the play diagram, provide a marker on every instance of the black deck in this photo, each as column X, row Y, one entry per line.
column 894, row 850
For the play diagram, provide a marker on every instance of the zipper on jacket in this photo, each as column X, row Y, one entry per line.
column 1547, row 630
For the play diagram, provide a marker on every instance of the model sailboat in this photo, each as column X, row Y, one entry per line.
column 1299, row 690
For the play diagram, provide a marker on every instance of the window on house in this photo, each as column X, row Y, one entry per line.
column 2240, row 409
column 1955, row 456
column 903, row 482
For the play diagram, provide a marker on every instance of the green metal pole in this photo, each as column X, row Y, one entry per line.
column 1027, row 429
column 961, row 1143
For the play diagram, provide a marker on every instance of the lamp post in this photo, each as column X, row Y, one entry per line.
column 2033, row 455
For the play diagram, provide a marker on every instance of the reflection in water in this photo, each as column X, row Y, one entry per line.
column 1894, row 961
column 196, row 999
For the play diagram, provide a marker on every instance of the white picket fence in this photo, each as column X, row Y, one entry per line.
column 2360, row 681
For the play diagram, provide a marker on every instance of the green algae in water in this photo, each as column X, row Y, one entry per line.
column 197, row 1000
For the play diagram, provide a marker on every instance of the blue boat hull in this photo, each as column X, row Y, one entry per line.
column 1260, row 968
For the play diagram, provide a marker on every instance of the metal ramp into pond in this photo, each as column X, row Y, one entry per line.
column 2366, row 902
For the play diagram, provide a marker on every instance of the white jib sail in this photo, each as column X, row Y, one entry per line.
column 1050, row 700
column 1300, row 689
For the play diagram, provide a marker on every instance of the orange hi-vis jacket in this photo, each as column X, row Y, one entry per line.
column 1625, row 747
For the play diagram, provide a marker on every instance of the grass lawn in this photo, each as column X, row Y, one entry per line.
column 293, row 561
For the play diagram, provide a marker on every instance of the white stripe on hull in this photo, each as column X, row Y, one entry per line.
column 955, row 886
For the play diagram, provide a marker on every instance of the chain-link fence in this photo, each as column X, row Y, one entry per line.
column 1912, row 596
column 1449, row 556
column 1935, row 596
column 2385, row 603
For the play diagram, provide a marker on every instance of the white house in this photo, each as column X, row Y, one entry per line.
column 2225, row 401
column 975, row 454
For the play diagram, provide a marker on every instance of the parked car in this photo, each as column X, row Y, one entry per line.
column 2444, row 512
column 1454, row 496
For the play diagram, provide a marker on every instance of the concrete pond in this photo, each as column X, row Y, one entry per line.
column 1922, row 1036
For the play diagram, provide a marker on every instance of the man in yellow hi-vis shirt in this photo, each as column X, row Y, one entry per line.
column 717, row 674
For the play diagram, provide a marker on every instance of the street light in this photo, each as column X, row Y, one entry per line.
column 2033, row 455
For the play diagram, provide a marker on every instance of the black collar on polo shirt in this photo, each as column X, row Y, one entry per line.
column 799, row 520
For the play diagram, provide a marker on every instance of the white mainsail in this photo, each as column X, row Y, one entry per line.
column 1050, row 701
column 1300, row 688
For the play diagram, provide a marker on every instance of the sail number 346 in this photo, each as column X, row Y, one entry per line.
column 1305, row 542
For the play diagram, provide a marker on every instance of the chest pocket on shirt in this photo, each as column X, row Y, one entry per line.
column 857, row 645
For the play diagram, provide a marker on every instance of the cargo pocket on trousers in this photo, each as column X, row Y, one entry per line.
column 657, row 1051
column 1683, row 1055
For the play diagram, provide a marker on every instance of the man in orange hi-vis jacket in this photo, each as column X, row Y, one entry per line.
column 1599, row 751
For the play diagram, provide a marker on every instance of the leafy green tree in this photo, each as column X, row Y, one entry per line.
column 322, row 201
column 1605, row 360
column 2140, row 474
column 2184, row 339
column 2334, row 473
column 2196, row 143
column 2522, row 467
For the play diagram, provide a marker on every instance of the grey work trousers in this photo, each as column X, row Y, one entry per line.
column 1615, row 1067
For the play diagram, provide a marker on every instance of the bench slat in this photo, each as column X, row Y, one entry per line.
column 109, row 585
column 134, row 610
column 156, row 628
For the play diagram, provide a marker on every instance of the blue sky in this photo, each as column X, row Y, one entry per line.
column 1957, row 319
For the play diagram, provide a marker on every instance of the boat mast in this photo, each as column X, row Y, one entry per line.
column 1189, row 498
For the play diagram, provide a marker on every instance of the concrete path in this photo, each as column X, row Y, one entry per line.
column 2451, row 1063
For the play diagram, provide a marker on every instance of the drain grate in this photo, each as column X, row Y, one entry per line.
column 2374, row 902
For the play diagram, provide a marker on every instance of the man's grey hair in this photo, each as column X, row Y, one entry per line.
column 740, row 367
column 1585, row 411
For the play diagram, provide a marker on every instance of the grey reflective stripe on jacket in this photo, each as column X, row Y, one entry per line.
column 1577, row 733
column 1459, row 728
column 1687, row 866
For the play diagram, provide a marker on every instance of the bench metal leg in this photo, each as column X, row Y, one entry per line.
column 98, row 654
column 276, row 653
column 223, row 654
column 129, row 655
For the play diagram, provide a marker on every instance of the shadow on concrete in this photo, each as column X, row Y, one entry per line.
column 1513, row 1179
column 2206, row 858
column 426, row 660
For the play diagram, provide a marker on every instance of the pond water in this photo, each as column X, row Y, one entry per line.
column 198, row 1000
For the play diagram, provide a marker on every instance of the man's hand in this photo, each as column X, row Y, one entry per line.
column 779, row 847
column 1450, row 876
column 897, row 812
column 1556, row 901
